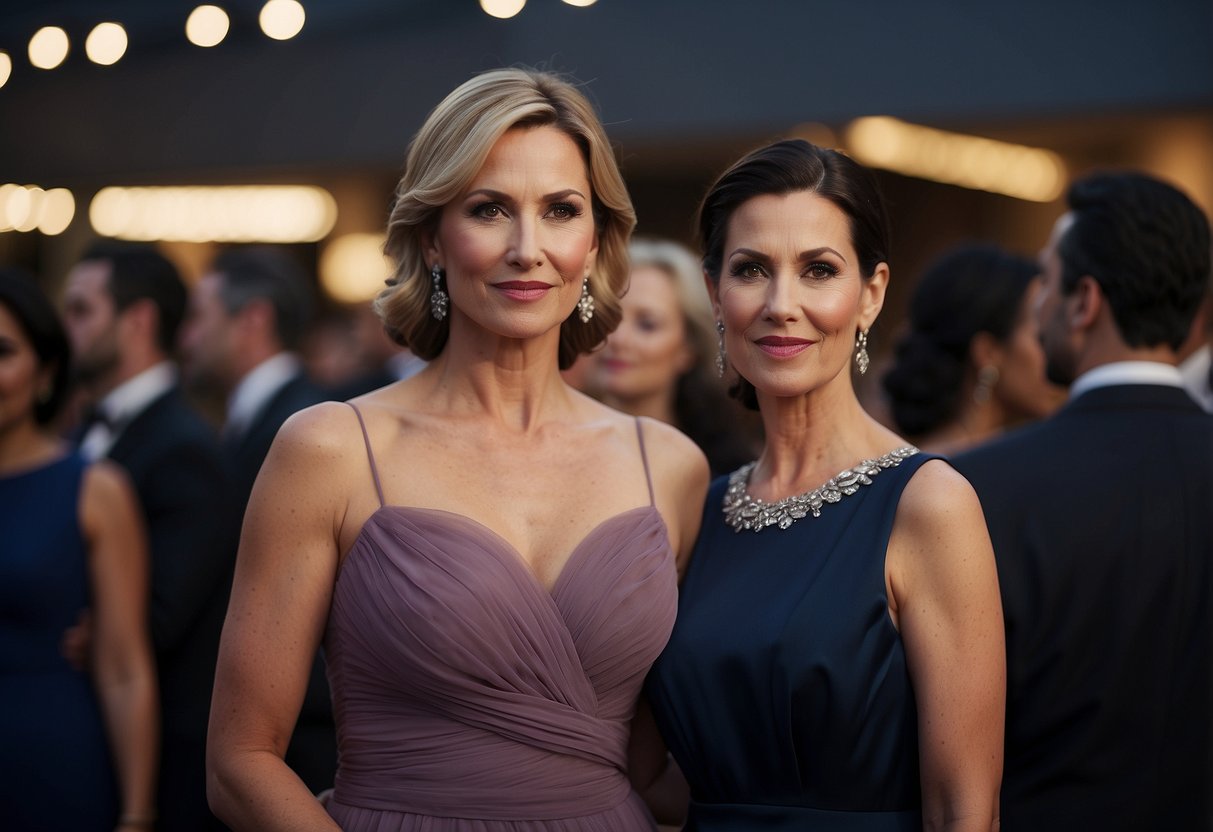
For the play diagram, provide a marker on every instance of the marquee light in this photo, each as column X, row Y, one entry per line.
column 1014, row 170
column 229, row 214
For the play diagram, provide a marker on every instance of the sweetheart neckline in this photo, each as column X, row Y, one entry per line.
column 509, row 550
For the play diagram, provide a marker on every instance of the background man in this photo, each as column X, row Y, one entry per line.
column 122, row 308
column 1100, row 518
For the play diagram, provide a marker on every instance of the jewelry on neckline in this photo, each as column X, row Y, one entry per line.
column 743, row 512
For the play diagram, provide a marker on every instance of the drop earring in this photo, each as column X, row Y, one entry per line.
column 861, row 352
column 585, row 305
column 720, row 355
column 439, row 300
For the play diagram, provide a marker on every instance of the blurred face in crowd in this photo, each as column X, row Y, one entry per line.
column 1023, row 388
column 91, row 321
column 207, row 338
column 21, row 375
column 791, row 294
column 649, row 350
column 518, row 242
column 1050, row 311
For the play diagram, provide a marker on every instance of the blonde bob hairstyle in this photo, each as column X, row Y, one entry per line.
column 447, row 153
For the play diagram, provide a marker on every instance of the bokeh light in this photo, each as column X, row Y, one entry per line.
column 106, row 44
column 207, row 26
column 282, row 19
column 353, row 267
column 6, row 68
column 48, row 47
column 502, row 9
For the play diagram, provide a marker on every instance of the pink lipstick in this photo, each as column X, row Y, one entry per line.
column 783, row 347
column 523, row 289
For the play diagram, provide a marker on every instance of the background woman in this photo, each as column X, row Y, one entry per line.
column 660, row 360
column 970, row 364
column 79, row 752
column 837, row 663
column 488, row 554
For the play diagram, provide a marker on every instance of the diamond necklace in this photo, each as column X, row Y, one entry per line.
column 741, row 511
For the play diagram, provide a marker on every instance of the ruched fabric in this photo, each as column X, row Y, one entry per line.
column 469, row 697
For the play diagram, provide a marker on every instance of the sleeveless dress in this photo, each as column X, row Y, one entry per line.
column 55, row 763
column 783, row 693
column 469, row 698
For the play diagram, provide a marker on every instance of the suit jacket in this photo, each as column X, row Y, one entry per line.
column 178, row 472
column 247, row 450
column 313, row 750
column 1102, row 524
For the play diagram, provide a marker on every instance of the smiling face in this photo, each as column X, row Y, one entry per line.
column 791, row 294
column 517, row 243
column 649, row 350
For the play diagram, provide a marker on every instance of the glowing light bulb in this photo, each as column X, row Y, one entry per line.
column 282, row 19
column 6, row 68
column 106, row 44
column 48, row 47
column 207, row 26
column 502, row 9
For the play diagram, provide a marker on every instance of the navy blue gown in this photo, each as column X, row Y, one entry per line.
column 55, row 764
column 783, row 692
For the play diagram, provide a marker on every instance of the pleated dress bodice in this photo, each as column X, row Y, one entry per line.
column 470, row 697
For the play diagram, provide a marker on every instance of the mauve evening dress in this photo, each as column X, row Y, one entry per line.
column 468, row 697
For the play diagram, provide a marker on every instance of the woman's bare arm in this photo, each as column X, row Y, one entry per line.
column 944, row 591
column 285, row 573
column 123, row 670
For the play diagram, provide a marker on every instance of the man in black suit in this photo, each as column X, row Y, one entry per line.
column 247, row 316
column 122, row 307
column 1102, row 523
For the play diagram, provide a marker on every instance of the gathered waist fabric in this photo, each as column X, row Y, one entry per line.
column 448, row 769
column 744, row 817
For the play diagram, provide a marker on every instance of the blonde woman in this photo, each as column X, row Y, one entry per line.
column 660, row 360
column 488, row 555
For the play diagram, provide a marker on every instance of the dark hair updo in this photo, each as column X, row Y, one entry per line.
column 972, row 289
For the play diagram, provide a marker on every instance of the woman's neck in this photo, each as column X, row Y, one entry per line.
column 514, row 382
column 811, row 438
column 26, row 445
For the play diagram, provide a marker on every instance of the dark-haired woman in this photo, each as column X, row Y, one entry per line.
column 970, row 364
column 837, row 662
column 78, row 748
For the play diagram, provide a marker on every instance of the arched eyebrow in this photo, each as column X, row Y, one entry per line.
column 811, row 254
column 498, row 196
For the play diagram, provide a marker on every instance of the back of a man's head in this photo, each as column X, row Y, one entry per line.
column 1147, row 245
column 137, row 271
column 269, row 275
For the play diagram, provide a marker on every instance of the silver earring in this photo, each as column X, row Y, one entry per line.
column 861, row 352
column 585, row 305
column 720, row 356
column 439, row 300
column 987, row 377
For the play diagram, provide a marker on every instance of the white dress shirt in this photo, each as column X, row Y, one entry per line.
column 123, row 404
column 1126, row 372
column 256, row 389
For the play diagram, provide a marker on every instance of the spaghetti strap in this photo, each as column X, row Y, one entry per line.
column 644, row 457
column 370, row 456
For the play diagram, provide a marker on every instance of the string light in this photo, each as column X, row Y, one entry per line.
column 28, row 207
column 48, row 47
column 207, row 26
column 106, row 44
column 502, row 9
column 282, row 19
